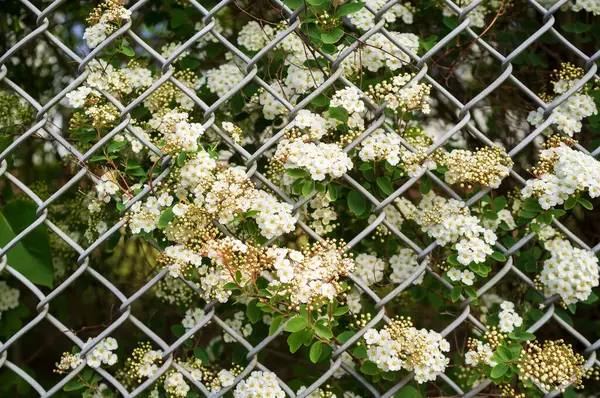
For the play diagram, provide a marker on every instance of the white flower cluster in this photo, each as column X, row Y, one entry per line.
column 569, row 114
column 573, row 171
column 175, row 385
column 349, row 99
column 353, row 300
column 381, row 146
column 369, row 268
column 258, row 385
column 112, row 16
column 311, row 124
column 103, row 353
column 509, row 319
column 149, row 363
column 465, row 276
column 570, row 272
column 192, row 317
column 482, row 354
column 222, row 79
column 476, row 15
column 321, row 214
column 381, row 52
column 9, row 297
column 503, row 215
column 404, row 264
column 320, row 160
column 177, row 130
column 270, row 105
column 365, row 20
column 311, row 276
column 236, row 324
column 402, row 346
column 254, row 37
column 592, row 6
column 450, row 221
column 303, row 79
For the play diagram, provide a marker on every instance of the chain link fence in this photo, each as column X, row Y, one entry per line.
column 45, row 319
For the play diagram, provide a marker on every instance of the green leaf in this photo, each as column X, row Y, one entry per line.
column 116, row 145
column 339, row 113
column 592, row 298
column 499, row 370
column 369, row 368
column 165, row 218
column 178, row 17
column 332, row 37
column 385, row 184
column 499, row 257
column 570, row 203
column 297, row 173
column 308, row 187
column 315, row 351
column 252, row 311
column 181, row 159
column 342, row 310
column 323, row 331
column 296, row 339
column 455, row 293
column 295, row 324
column 425, row 185
column 202, row 355
column 275, row 324
column 31, row 256
column 293, row 4
column 499, row 203
column 577, row 27
column 521, row 336
column 586, row 203
column 408, row 392
column 471, row 292
column 345, row 336
column 315, row 2
column 357, row 203
column 74, row 385
column 128, row 51
column 348, row 9
column 334, row 191
column 504, row 353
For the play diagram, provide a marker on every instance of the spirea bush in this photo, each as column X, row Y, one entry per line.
column 314, row 198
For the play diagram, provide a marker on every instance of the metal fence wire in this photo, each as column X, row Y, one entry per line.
column 45, row 319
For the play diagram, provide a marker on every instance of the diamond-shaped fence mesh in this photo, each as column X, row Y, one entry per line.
column 422, row 66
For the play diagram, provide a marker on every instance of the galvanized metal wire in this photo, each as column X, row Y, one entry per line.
column 45, row 319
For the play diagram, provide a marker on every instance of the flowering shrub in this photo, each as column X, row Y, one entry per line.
column 298, row 188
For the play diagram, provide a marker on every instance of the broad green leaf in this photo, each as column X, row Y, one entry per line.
column 116, row 145
column 408, row 392
column 74, row 385
column 315, row 351
column 455, row 293
column 295, row 324
column 342, row 310
column 504, row 353
column 252, row 311
column 339, row 113
column 308, row 187
column 297, row 173
column 128, row 51
column 385, row 184
column 31, row 256
column 498, row 256
column 323, row 331
column 586, row 203
column 577, row 27
column 332, row 37
column 369, row 368
column 570, row 203
column 293, row 4
column 357, row 203
column 349, row 8
column 165, row 218
column 275, row 324
column 296, row 339
column 202, row 355
column 499, row 370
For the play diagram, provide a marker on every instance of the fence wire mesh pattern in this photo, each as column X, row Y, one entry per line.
column 464, row 112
